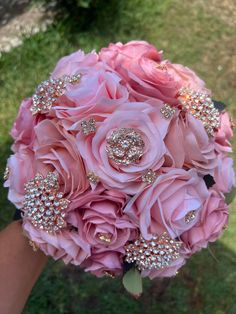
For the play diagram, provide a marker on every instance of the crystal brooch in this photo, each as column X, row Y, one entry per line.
column 157, row 253
column 44, row 205
column 88, row 126
column 149, row 177
column 125, row 146
column 190, row 216
column 91, row 176
column 201, row 106
column 167, row 111
column 49, row 91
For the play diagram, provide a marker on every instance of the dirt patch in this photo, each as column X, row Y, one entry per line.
column 18, row 19
column 224, row 10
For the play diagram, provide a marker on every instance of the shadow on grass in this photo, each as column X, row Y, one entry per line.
column 84, row 15
column 203, row 286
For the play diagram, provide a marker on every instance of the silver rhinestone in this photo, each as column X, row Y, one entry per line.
column 125, row 146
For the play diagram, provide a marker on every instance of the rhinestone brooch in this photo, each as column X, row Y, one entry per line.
column 149, row 177
column 88, row 126
column 125, row 146
column 49, row 91
column 44, row 205
column 201, row 106
column 167, row 111
column 92, row 177
column 157, row 253
column 190, row 216
column 6, row 174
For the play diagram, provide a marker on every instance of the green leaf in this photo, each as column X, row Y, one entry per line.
column 132, row 282
column 229, row 197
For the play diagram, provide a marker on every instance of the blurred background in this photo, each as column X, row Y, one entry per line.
column 198, row 33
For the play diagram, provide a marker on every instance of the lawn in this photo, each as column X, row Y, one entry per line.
column 197, row 33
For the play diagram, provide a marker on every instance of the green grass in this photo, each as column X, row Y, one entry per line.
column 189, row 32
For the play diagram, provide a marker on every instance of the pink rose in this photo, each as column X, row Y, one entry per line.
column 56, row 150
column 189, row 144
column 151, row 128
column 185, row 77
column 224, row 133
column 138, row 63
column 22, row 169
column 105, row 263
column 53, row 149
column 75, row 63
column 224, row 174
column 65, row 245
column 145, row 75
column 98, row 216
column 22, row 130
column 99, row 93
column 123, row 54
column 163, row 206
column 212, row 220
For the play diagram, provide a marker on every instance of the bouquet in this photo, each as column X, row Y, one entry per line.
column 121, row 164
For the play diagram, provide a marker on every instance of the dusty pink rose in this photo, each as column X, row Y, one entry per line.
column 143, row 119
column 164, row 205
column 22, row 169
column 22, row 130
column 75, row 63
column 169, row 271
column 139, row 63
column 121, row 54
column 65, row 245
column 99, row 214
column 105, row 263
column 185, row 77
column 189, row 144
column 99, row 93
column 212, row 220
column 56, row 150
column 224, row 134
column 224, row 174
column 53, row 149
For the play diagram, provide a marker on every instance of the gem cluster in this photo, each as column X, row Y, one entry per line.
column 201, row 106
column 44, row 205
column 49, row 91
column 157, row 253
column 125, row 146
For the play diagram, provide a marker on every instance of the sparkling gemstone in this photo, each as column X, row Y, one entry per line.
column 105, row 237
column 201, row 106
column 6, row 173
column 109, row 274
column 125, row 146
column 149, row 177
column 168, row 111
column 88, row 126
column 74, row 79
column 161, row 66
column 190, row 216
column 92, row 177
column 49, row 91
column 42, row 213
column 165, row 252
